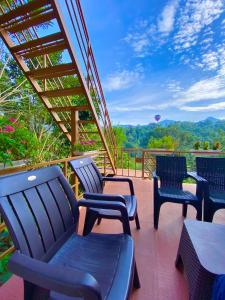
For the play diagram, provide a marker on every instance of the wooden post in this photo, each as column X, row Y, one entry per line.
column 143, row 164
column 74, row 126
column 65, row 169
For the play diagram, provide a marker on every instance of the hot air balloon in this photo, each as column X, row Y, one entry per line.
column 157, row 118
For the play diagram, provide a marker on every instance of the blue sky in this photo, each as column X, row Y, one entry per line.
column 159, row 57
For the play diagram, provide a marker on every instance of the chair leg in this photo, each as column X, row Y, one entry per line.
column 184, row 210
column 137, row 222
column 178, row 262
column 31, row 291
column 156, row 214
column 208, row 213
column 136, row 283
column 99, row 221
column 89, row 222
column 199, row 213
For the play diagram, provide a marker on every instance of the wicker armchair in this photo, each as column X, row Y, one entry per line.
column 172, row 170
column 213, row 170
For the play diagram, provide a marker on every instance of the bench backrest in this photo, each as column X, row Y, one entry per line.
column 39, row 209
column 88, row 174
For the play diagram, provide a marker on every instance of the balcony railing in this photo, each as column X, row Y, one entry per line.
column 138, row 162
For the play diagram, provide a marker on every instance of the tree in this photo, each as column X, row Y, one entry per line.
column 166, row 142
column 120, row 136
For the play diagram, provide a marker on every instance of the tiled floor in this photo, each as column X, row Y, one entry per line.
column 155, row 250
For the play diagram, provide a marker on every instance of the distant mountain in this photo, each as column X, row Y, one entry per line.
column 211, row 119
column 165, row 123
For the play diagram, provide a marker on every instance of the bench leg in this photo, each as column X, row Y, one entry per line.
column 99, row 221
column 89, row 222
column 136, row 282
column 137, row 222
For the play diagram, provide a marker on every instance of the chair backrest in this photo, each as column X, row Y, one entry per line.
column 88, row 174
column 39, row 209
column 172, row 170
column 213, row 170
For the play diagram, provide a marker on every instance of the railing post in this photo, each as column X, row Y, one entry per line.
column 143, row 164
column 65, row 169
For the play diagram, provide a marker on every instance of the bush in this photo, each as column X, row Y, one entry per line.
column 16, row 141
column 197, row 145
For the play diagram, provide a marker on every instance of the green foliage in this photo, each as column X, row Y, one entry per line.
column 120, row 136
column 16, row 141
column 216, row 145
column 197, row 145
column 184, row 133
column 166, row 142
column 206, row 145
column 84, row 146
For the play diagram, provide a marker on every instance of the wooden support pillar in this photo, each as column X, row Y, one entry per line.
column 74, row 126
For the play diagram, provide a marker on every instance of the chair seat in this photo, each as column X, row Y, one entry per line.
column 210, row 250
column 217, row 196
column 176, row 194
column 131, row 204
column 108, row 258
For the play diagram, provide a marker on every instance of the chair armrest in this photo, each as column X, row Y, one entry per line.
column 201, row 184
column 112, row 205
column 69, row 281
column 105, row 197
column 155, row 182
column 121, row 179
column 196, row 177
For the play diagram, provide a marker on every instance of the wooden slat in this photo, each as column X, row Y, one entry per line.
column 59, row 46
column 53, row 71
column 23, row 9
column 69, row 108
column 32, row 22
column 63, row 92
column 38, row 42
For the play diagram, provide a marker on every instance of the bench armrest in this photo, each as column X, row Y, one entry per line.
column 121, row 179
column 105, row 197
column 69, row 281
column 112, row 205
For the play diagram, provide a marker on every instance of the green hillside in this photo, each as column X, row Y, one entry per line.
column 209, row 133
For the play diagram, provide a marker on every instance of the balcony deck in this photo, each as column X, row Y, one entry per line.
column 155, row 250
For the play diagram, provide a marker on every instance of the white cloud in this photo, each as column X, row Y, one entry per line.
column 210, row 107
column 211, row 88
column 167, row 17
column 124, row 79
column 139, row 42
column 194, row 17
column 146, row 37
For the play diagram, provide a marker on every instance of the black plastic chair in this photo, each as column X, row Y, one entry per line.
column 42, row 216
column 93, row 184
column 213, row 170
column 172, row 170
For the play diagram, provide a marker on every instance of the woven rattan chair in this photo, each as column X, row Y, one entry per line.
column 172, row 170
column 213, row 170
column 55, row 262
